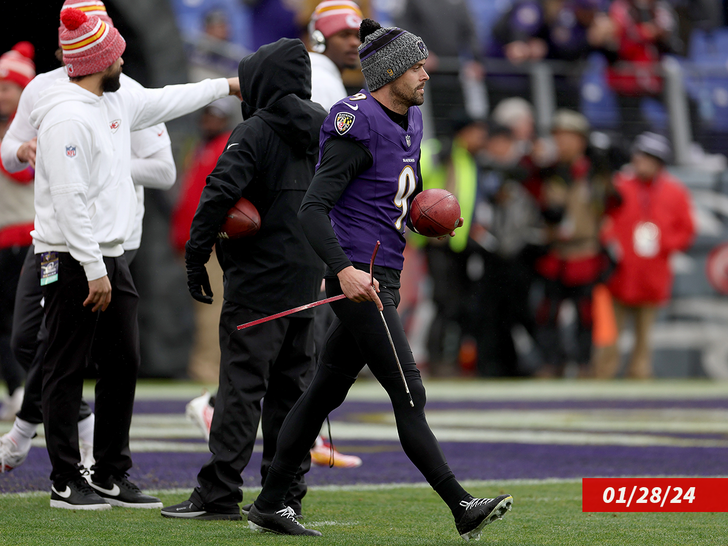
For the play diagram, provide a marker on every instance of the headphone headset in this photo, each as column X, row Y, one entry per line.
column 318, row 41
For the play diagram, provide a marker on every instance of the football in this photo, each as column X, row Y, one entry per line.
column 242, row 220
column 435, row 212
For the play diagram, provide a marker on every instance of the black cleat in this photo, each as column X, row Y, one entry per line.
column 481, row 512
column 77, row 495
column 122, row 492
column 189, row 510
column 246, row 508
column 282, row 522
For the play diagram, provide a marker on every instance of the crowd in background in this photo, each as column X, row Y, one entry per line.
column 576, row 217
column 538, row 202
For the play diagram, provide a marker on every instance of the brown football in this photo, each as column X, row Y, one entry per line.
column 242, row 220
column 435, row 212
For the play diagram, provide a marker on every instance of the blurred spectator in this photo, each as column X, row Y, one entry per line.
column 642, row 31
column 213, row 55
column 16, row 220
column 572, row 206
column 506, row 229
column 653, row 221
column 450, row 164
column 533, row 30
column 516, row 114
column 455, row 60
column 214, row 127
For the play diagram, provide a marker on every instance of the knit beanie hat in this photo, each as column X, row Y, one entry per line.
column 17, row 64
column 654, row 145
column 89, row 44
column 89, row 7
column 387, row 53
column 332, row 16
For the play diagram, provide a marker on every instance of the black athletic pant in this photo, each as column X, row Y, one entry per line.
column 11, row 262
column 272, row 362
column 74, row 333
column 357, row 337
column 30, row 340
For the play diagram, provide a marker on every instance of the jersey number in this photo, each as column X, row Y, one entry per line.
column 405, row 187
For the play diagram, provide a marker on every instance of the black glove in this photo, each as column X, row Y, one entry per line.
column 197, row 279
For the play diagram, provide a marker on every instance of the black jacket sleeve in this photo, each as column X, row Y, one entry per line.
column 342, row 161
column 235, row 169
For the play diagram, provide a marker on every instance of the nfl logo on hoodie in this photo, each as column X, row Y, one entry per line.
column 71, row 151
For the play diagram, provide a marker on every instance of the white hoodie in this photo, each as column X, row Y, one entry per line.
column 152, row 142
column 85, row 200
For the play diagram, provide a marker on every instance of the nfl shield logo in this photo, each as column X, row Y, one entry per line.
column 408, row 140
column 343, row 122
column 71, row 151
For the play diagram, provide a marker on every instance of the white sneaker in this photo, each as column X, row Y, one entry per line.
column 200, row 412
column 11, row 456
column 11, row 405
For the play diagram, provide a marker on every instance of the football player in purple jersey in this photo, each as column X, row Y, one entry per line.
column 367, row 176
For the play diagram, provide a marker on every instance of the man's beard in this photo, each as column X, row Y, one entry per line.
column 408, row 97
column 111, row 82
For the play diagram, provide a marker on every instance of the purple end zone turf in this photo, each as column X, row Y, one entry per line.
column 384, row 461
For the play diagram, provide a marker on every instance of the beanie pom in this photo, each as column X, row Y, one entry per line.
column 26, row 49
column 73, row 18
column 367, row 27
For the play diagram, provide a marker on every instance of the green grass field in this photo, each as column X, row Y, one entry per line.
column 544, row 513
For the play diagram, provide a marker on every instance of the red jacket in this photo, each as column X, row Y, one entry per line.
column 646, row 278
column 17, row 234
column 204, row 161
column 638, row 46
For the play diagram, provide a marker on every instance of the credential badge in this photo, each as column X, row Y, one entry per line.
column 343, row 122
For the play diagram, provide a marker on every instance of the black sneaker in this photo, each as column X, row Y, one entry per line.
column 282, row 522
column 122, row 492
column 481, row 512
column 77, row 495
column 246, row 508
column 189, row 510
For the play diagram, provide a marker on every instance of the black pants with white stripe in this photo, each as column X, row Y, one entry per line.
column 268, row 365
column 76, row 335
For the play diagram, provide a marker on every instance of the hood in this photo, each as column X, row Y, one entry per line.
column 274, row 71
column 275, row 83
column 62, row 91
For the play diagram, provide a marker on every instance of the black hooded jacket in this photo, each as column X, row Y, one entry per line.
column 269, row 159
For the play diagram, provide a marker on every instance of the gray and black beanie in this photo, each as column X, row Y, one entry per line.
column 387, row 53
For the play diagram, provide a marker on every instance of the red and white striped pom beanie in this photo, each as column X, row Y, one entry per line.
column 89, row 7
column 17, row 64
column 89, row 44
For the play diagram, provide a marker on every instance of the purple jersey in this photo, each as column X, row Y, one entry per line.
column 375, row 206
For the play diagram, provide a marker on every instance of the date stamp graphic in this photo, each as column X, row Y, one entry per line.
column 654, row 495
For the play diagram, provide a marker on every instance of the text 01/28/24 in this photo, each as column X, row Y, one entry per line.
column 654, row 495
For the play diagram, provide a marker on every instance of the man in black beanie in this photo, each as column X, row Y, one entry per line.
column 360, row 196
